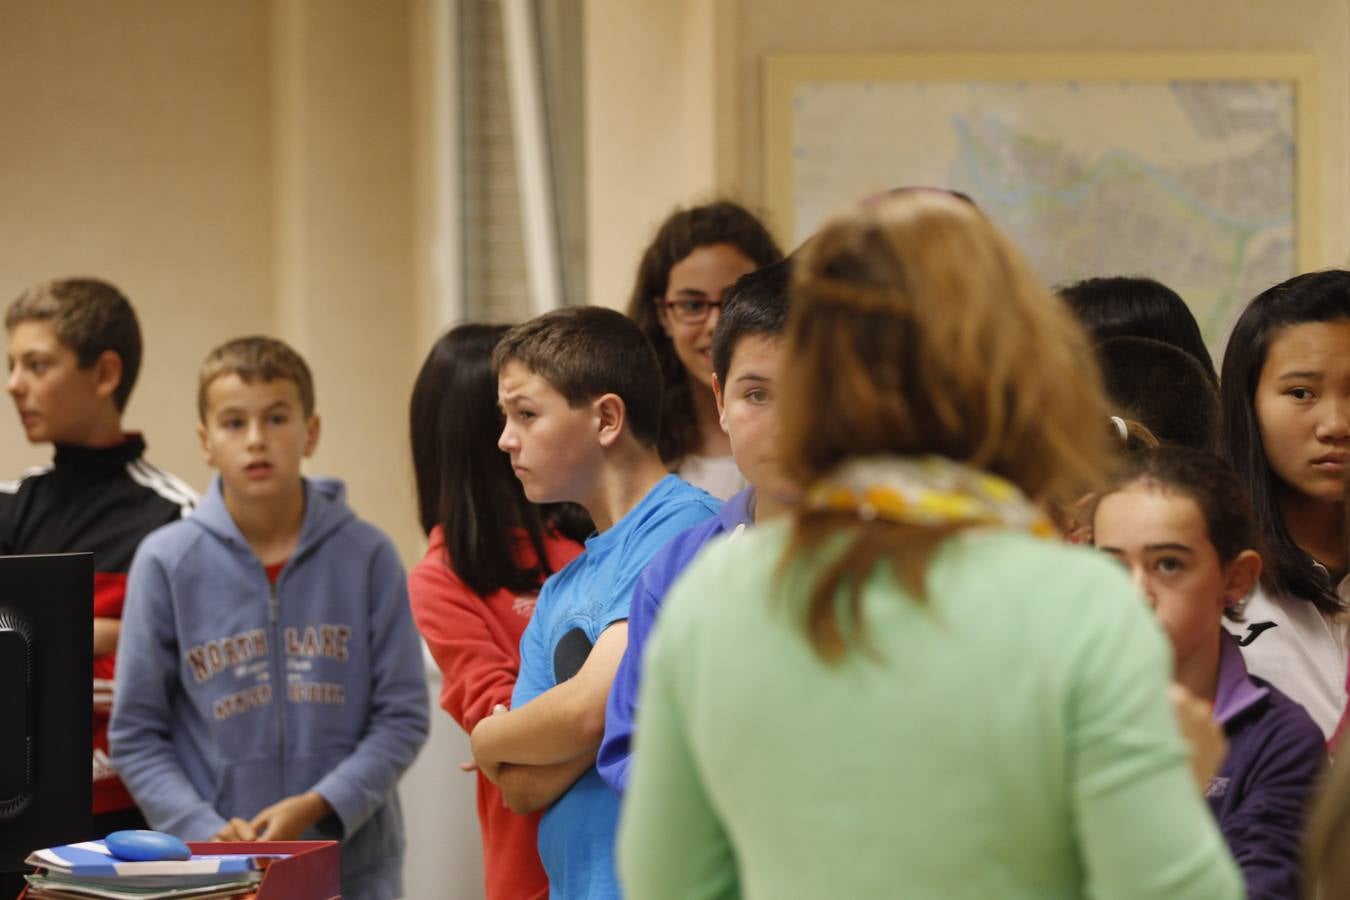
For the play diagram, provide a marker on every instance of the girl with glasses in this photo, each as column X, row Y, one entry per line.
column 696, row 255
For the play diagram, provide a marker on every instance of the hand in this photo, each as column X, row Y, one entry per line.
column 491, row 772
column 287, row 819
column 1204, row 736
column 490, row 769
column 236, row 830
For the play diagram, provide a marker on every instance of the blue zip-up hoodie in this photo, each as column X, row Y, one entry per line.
column 648, row 594
column 233, row 694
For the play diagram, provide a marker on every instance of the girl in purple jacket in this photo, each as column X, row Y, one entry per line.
column 1178, row 520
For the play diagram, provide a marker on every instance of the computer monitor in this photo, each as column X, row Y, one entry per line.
column 46, row 702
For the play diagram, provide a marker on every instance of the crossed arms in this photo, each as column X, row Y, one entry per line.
column 536, row 752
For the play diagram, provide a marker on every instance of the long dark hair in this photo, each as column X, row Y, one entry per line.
column 1164, row 387
column 1138, row 307
column 464, row 483
column 1313, row 297
column 683, row 232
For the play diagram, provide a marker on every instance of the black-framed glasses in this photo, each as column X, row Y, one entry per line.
column 690, row 310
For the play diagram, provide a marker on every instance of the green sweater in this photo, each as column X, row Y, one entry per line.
column 1014, row 740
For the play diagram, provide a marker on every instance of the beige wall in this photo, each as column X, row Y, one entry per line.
column 343, row 203
column 635, row 177
column 636, row 127
column 659, row 123
column 236, row 168
column 136, row 147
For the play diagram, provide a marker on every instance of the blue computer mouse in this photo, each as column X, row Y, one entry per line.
column 144, row 846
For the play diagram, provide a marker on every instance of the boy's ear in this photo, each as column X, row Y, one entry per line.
column 311, row 435
column 206, row 445
column 107, row 373
column 721, row 402
column 611, row 416
column 1240, row 576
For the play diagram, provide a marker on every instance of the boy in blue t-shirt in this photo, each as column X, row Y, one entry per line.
column 747, row 353
column 581, row 391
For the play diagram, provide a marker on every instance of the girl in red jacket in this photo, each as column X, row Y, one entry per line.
column 490, row 550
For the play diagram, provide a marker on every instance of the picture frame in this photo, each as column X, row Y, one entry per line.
column 1198, row 169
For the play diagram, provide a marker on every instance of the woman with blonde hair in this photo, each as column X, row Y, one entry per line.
column 912, row 688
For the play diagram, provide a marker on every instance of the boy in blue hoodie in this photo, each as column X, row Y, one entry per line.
column 747, row 353
column 272, row 684
column 581, row 389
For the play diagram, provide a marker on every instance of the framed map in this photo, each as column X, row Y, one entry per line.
column 1194, row 169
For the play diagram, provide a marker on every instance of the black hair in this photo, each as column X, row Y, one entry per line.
column 1138, row 307
column 683, row 232
column 464, row 482
column 1163, row 387
column 757, row 304
column 1209, row 481
column 1312, row 297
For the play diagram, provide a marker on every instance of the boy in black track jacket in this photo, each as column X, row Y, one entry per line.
column 74, row 352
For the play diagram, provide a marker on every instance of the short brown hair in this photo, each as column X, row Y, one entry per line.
column 586, row 351
column 917, row 328
column 90, row 317
column 253, row 358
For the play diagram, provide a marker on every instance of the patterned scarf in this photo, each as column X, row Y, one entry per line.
column 926, row 490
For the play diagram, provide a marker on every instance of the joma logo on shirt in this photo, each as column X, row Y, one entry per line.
column 1254, row 631
column 328, row 641
column 213, row 657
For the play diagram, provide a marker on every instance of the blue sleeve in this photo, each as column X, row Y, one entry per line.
column 616, row 747
column 1264, row 831
column 671, row 842
column 642, row 548
column 398, row 718
column 141, row 731
column 536, row 656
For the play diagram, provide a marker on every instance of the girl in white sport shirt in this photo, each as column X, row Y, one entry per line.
column 1286, row 398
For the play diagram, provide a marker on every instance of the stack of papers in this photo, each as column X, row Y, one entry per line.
column 79, row 871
